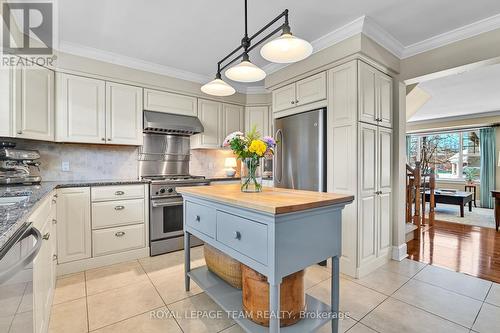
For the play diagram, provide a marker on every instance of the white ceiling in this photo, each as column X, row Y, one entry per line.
column 190, row 36
column 465, row 94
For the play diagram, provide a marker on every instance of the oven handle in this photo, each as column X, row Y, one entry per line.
column 157, row 204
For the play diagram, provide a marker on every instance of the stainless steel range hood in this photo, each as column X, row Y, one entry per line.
column 167, row 123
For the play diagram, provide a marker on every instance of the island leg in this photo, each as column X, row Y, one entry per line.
column 335, row 294
column 274, row 307
column 187, row 259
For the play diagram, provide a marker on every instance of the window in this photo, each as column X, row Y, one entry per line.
column 453, row 155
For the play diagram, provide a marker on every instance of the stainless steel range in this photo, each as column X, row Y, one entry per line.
column 164, row 160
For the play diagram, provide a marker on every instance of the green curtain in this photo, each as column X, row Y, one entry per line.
column 408, row 146
column 488, row 165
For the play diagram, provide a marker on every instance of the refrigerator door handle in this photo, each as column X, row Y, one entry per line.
column 279, row 157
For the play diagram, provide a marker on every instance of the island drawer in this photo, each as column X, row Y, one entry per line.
column 118, row 192
column 243, row 235
column 118, row 212
column 201, row 218
column 113, row 240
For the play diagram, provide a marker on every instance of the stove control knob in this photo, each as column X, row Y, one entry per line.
column 162, row 190
column 170, row 190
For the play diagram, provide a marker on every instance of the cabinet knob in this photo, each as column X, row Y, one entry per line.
column 119, row 207
column 119, row 193
column 54, row 221
column 120, row 233
column 54, row 201
column 296, row 101
column 103, row 139
column 46, row 236
column 293, row 102
column 109, row 139
column 197, row 218
column 19, row 132
column 237, row 235
column 54, row 257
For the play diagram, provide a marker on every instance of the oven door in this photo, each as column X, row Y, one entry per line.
column 166, row 218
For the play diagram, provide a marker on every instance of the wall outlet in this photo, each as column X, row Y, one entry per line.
column 65, row 166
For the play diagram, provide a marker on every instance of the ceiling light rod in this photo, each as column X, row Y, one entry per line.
column 246, row 41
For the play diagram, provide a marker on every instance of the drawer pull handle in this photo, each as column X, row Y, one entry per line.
column 119, row 193
column 119, row 207
column 198, row 219
column 237, row 235
column 46, row 236
column 120, row 233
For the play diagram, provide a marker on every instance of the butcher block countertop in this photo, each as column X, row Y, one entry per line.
column 271, row 200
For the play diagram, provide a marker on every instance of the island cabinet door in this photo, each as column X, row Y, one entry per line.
column 367, row 227
column 73, row 224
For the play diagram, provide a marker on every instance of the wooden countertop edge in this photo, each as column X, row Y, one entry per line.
column 276, row 210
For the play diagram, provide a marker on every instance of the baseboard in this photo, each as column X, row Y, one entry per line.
column 81, row 265
column 399, row 252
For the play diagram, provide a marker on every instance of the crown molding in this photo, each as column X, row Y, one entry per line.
column 382, row 37
column 479, row 115
column 467, row 31
column 254, row 90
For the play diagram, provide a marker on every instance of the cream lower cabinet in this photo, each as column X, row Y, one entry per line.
column 44, row 277
column 94, row 111
column 101, row 225
column 73, row 227
column 218, row 119
column 258, row 116
column 364, row 169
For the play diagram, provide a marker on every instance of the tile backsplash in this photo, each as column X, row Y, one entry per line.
column 86, row 161
column 210, row 162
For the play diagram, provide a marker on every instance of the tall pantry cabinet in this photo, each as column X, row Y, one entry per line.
column 360, row 132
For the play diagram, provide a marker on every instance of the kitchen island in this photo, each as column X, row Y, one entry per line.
column 276, row 232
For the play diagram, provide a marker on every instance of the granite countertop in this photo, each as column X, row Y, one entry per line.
column 13, row 217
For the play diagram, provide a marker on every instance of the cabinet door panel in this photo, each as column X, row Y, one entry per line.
column 35, row 103
column 368, row 159
column 232, row 119
column 367, row 232
column 343, row 94
column 367, row 93
column 123, row 114
column 257, row 116
column 384, row 83
column 311, row 89
column 162, row 101
column 73, row 224
column 384, row 160
column 80, row 109
column 384, row 223
column 284, row 98
column 210, row 115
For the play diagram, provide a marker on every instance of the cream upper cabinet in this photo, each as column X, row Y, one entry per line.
column 311, row 89
column 74, row 224
column 258, row 116
column 384, row 93
column 375, row 96
column 162, row 101
column 34, row 103
column 81, row 109
column 210, row 114
column 232, row 119
column 123, row 114
column 284, row 98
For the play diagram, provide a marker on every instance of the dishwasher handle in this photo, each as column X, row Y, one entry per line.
column 25, row 260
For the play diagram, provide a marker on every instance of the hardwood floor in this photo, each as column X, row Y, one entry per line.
column 462, row 248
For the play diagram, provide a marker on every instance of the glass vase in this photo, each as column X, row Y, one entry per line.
column 251, row 175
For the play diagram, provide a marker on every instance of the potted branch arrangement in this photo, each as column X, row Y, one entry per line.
column 250, row 149
column 471, row 175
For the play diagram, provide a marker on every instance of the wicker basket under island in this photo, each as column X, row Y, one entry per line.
column 222, row 265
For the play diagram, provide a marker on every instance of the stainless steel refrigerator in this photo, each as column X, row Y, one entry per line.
column 300, row 155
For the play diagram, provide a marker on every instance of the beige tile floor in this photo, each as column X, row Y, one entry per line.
column 140, row 296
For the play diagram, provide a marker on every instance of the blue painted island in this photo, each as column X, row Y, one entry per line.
column 276, row 232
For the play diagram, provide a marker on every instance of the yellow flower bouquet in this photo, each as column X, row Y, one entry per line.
column 250, row 149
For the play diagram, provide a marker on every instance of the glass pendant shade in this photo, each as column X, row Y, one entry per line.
column 245, row 71
column 286, row 49
column 218, row 87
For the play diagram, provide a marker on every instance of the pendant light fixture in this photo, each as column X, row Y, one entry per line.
column 284, row 49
